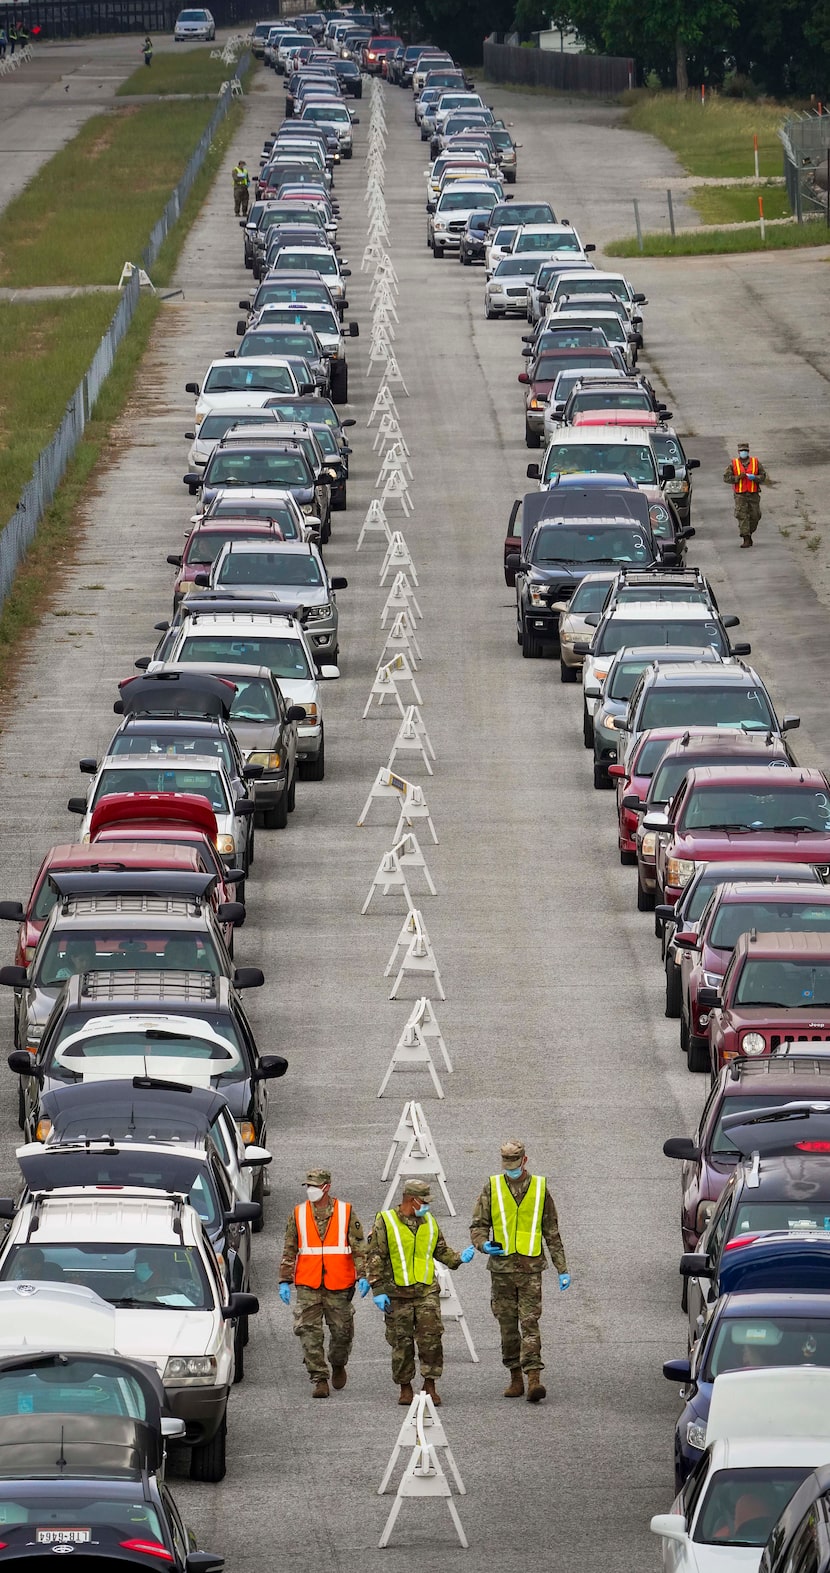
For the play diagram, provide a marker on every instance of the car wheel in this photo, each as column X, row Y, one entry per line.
column 291, row 794
column 645, row 899
column 315, row 769
column 208, row 1461
column 276, row 817
column 602, row 780
column 532, row 438
column 347, row 152
column 488, row 314
column 674, row 995
column 697, row 1053
column 628, row 859
column 587, row 729
column 531, row 647
column 238, row 1354
column 465, row 261
column 437, row 252
column 567, row 674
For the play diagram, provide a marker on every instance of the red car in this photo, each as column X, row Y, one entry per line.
column 776, row 993
column 205, row 542
column 750, row 812
column 744, row 1087
column 632, row 782
column 376, row 51
column 78, row 858
column 733, row 910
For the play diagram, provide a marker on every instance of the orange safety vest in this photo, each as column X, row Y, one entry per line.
column 744, row 476
column 326, row 1263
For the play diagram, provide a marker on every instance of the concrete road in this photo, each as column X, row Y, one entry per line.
column 554, row 1009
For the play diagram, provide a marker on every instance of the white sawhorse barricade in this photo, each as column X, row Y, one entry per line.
column 424, row 1476
column 418, row 958
column 412, row 1048
column 416, row 1155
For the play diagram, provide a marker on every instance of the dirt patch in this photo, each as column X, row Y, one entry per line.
column 103, row 142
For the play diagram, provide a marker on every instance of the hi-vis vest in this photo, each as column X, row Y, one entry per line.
column 325, row 1263
column 240, row 177
column 517, row 1229
column 412, row 1255
column 744, row 475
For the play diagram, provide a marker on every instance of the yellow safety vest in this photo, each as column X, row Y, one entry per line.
column 240, row 177
column 412, row 1255
column 517, row 1229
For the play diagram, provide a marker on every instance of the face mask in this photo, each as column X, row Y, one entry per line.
column 743, row 453
column 514, row 1174
column 143, row 1272
column 314, row 1193
column 421, row 1212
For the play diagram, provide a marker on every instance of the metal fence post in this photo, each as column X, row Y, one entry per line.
column 637, row 222
column 671, row 214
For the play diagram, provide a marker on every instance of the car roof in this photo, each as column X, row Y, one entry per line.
column 706, row 674
column 275, row 625
column 613, row 434
column 121, row 1218
column 239, row 668
column 662, row 611
column 737, row 891
column 276, row 548
column 770, row 946
column 723, row 741
column 755, row 777
column 142, row 1096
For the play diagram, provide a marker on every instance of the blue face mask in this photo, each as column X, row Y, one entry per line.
column 514, row 1174
column 421, row 1212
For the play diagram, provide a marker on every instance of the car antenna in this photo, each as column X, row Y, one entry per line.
column 61, row 1462
column 684, row 741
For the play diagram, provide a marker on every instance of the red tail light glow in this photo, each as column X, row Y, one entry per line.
column 740, row 1239
column 148, row 1548
column 812, row 1146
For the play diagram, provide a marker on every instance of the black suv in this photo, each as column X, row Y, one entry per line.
column 558, row 555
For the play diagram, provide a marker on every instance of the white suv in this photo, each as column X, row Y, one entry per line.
column 146, row 1255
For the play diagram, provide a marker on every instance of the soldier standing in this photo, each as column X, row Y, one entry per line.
column 241, row 182
column 325, row 1256
column 404, row 1246
column 518, row 1211
column 746, row 475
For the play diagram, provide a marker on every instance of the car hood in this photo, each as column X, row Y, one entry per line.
column 156, row 1335
column 256, row 736
column 720, row 1559
column 705, row 846
column 787, row 1019
column 300, row 691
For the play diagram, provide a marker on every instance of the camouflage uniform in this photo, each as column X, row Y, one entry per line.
column 516, row 1284
column 747, row 504
column 415, row 1313
column 315, row 1307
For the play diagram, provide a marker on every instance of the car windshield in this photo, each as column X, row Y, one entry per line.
column 698, row 706
column 254, row 700
column 322, row 319
column 611, row 326
column 528, row 213
column 309, row 294
column 130, row 1050
column 552, row 240
column 624, row 679
column 269, row 568
column 742, row 1343
column 306, row 261
column 239, row 468
column 512, row 268
column 285, row 657
column 567, row 544
column 786, row 985
column 775, row 916
column 114, row 949
column 316, row 411
column 588, row 597
column 214, row 1036
column 618, row 400
column 503, row 237
column 333, row 112
column 551, row 345
column 662, row 592
column 178, row 746
column 107, row 1506
column 776, row 808
column 453, row 201
column 171, row 777
column 601, row 458
column 204, row 546
column 619, row 632
column 242, row 508
column 230, row 378
column 567, row 380
column 591, row 285
column 192, row 16
column 742, row 1505
column 147, row 1277
column 214, row 427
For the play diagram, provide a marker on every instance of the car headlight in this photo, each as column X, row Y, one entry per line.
column 703, row 1214
column 696, row 1435
column 267, row 761
column 34, row 1034
column 199, row 419
column 676, row 488
column 246, row 1131
column 190, row 1368
column 311, row 714
column 612, row 722
column 753, row 1043
column 679, row 871
column 538, row 594
column 308, row 507
column 600, row 676
column 712, row 980
column 536, row 404
column 568, row 636
column 648, row 844
column 318, row 614
column 225, row 845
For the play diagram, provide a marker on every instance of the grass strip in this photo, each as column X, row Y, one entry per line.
column 165, row 264
column 44, row 351
column 715, row 139
column 181, row 71
column 738, row 204
column 92, row 206
column 720, row 243
column 51, row 552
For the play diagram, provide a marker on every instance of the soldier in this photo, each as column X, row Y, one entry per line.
column 404, row 1246
column 746, row 475
column 518, row 1210
column 325, row 1256
column 241, row 182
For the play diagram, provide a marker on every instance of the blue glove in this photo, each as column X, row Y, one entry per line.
column 468, row 1253
column 564, row 1280
column 363, row 1286
column 382, row 1301
column 490, row 1248
column 285, row 1294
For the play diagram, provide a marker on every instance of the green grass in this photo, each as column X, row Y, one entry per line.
column 164, row 265
column 44, row 351
column 715, row 140
column 738, row 204
column 91, row 208
column 717, row 243
column 57, row 534
column 184, row 71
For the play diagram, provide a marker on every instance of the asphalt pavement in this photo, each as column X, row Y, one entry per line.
column 554, row 1011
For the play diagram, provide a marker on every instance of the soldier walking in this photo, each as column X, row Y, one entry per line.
column 324, row 1255
column 404, row 1246
column 518, row 1211
column 241, row 182
column 746, row 475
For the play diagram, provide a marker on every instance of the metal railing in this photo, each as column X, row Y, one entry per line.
column 604, row 75
column 805, row 138
column 51, row 463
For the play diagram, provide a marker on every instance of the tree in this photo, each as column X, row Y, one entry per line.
column 662, row 35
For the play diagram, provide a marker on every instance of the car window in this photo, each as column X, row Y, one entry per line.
column 554, row 240
column 114, row 1510
column 229, row 378
column 457, row 201
column 598, row 458
column 786, row 985
column 78, row 1385
column 254, row 700
column 284, row 657
column 305, row 260
column 142, row 743
column 742, row 1505
column 649, row 756
column 745, row 1343
column 624, row 679
column 171, row 778
column 562, row 544
column 710, row 807
column 772, row 917
column 204, row 546
column 239, row 467
column 588, row 597
column 698, row 706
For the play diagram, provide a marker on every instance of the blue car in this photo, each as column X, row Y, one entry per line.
column 744, row 1331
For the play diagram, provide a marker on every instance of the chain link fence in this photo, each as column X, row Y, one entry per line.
column 806, row 141
column 50, row 466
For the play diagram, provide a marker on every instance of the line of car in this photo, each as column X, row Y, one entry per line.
column 125, row 1261
column 730, row 836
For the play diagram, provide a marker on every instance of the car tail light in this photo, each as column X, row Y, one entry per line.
column 812, row 1146
column 148, row 1548
column 741, row 1239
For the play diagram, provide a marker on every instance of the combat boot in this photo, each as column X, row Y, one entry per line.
column 339, row 1377
column 429, row 1387
column 321, row 1389
column 517, row 1385
column 536, row 1389
column 407, row 1394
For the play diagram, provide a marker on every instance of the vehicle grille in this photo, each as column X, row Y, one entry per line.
column 455, row 229
column 522, row 291
column 778, row 1038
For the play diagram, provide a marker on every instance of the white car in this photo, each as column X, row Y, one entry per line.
column 548, row 240
column 564, row 384
column 766, row 1431
column 256, row 378
column 633, row 622
column 605, row 283
column 505, row 293
column 203, row 775
column 333, row 115
column 192, row 25
column 147, row 1256
column 447, row 217
column 540, row 294
column 214, row 426
column 498, row 246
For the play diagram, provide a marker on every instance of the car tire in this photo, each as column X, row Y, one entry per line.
column 531, row 647
column 587, row 729
column 645, row 899
column 276, row 818
column 315, row 769
column 465, row 261
column 437, row 252
column 627, row 859
column 602, row 780
column 339, row 383
column 291, row 794
column 674, row 993
column 697, row 1052
column 207, row 1462
column 21, row 1106
column 488, row 314
column 239, row 1354
column 532, row 438
column 567, row 674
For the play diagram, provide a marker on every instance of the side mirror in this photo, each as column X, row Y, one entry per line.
column 590, row 246
column 430, row 207
column 172, row 1427
column 740, row 649
column 617, row 771
column 328, row 672
column 632, row 802
column 791, row 723
column 582, row 647
column 174, row 560
column 202, row 579
column 256, row 1157
column 142, row 663
column 14, row 977
column 667, row 472
column 664, row 913
column 349, row 422
column 686, row 939
column 656, row 820
column 270, row 1067
column 252, row 772
column 232, row 912
column 669, row 1526
column 691, row 464
column 339, row 584
column 533, row 471
column 295, row 713
column 192, row 387
column 730, row 621
column 677, row 1370
column 7, row 1207
column 640, row 299
column 248, row 978
column 12, row 911
column 354, row 330
column 244, row 1212
column 514, row 562
column 161, row 628
column 239, row 1305
column 593, row 619
column 345, row 273
column 527, row 352
column 244, row 807
column 694, row 1265
column 244, row 305
column 88, row 767
column 190, row 436
column 23, row 1063
column 240, row 328
column 77, row 805
column 681, row 1147
column 192, row 480
column 709, row 998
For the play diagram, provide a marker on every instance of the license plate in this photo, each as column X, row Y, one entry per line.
column 62, row 1537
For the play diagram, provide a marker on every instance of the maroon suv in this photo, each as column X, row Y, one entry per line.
column 776, row 993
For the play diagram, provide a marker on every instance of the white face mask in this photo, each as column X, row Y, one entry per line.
column 314, row 1193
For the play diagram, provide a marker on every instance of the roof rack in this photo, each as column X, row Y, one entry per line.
column 143, row 984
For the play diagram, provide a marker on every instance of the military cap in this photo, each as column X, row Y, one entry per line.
column 743, row 444
column 317, row 1177
column 418, row 1188
column 512, row 1152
